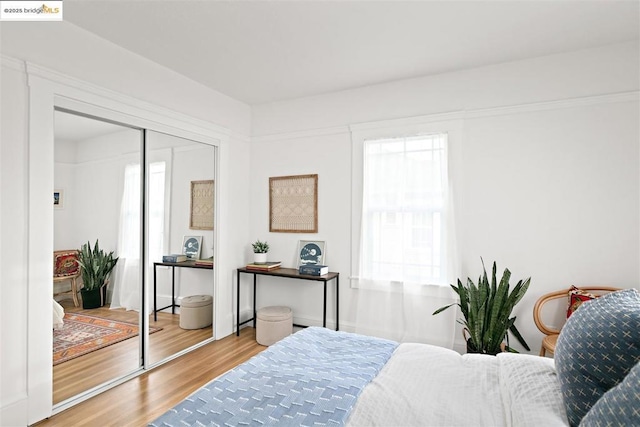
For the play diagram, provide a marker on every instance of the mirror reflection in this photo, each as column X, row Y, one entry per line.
column 102, row 192
column 92, row 344
column 180, row 224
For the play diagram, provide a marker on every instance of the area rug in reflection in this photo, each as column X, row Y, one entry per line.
column 82, row 334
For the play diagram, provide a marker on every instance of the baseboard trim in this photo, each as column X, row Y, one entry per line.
column 15, row 413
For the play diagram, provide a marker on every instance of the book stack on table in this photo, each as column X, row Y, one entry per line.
column 267, row 266
column 313, row 269
column 206, row 262
column 174, row 258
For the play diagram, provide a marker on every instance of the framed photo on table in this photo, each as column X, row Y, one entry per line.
column 192, row 246
column 311, row 252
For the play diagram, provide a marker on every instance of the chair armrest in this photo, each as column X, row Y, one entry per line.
column 537, row 308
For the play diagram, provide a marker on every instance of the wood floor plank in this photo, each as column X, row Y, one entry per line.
column 143, row 399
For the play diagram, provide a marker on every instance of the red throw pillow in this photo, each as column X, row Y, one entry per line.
column 576, row 297
column 65, row 264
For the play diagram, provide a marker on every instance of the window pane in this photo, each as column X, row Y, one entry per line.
column 403, row 199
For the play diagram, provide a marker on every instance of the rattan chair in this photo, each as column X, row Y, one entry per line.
column 551, row 334
column 66, row 267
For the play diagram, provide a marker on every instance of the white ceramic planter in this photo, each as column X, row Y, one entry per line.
column 259, row 258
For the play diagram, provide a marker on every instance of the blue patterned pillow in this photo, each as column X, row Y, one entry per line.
column 596, row 349
column 620, row 406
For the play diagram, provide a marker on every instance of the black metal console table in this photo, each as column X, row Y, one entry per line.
column 291, row 273
column 173, row 265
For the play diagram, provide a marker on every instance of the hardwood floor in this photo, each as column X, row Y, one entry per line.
column 143, row 399
column 90, row 370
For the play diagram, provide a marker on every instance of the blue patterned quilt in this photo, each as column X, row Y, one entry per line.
column 312, row 377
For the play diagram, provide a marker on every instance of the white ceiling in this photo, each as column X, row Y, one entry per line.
column 264, row 51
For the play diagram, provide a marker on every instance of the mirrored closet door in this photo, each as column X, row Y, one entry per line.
column 180, row 206
column 97, row 205
column 140, row 195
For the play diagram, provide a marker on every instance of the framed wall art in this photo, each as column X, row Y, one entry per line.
column 201, row 217
column 58, row 199
column 293, row 204
column 192, row 246
column 311, row 252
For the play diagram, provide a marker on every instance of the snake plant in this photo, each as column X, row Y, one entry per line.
column 95, row 265
column 486, row 308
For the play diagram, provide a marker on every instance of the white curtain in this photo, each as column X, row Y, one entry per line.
column 127, row 287
column 403, row 313
column 407, row 254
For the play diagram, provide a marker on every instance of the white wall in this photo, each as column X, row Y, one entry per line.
column 25, row 371
column 548, row 189
column 91, row 175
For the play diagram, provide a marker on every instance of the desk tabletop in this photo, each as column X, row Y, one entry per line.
column 290, row 272
column 186, row 264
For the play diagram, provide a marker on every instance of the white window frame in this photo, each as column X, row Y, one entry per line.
column 451, row 124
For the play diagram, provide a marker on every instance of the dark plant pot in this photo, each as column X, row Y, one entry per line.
column 92, row 298
column 472, row 349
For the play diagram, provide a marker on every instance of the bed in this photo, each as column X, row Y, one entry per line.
column 319, row 376
column 322, row 377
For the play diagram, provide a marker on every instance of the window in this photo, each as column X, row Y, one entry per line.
column 130, row 214
column 156, row 210
column 404, row 209
column 129, row 241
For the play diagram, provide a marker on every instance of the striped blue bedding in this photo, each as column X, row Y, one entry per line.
column 312, row 377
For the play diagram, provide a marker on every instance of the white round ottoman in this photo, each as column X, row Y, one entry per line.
column 273, row 324
column 196, row 311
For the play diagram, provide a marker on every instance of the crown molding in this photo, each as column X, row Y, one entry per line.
column 555, row 105
column 335, row 130
column 13, row 63
column 630, row 96
column 407, row 121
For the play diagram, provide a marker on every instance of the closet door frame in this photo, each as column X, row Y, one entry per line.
column 48, row 91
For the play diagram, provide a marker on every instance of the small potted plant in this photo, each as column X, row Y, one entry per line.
column 95, row 268
column 260, row 250
column 486, row 308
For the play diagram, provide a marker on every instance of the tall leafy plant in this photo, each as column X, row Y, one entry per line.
column 486, row 309
column 95, row 265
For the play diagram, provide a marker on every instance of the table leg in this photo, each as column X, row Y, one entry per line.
column 324, row 306
column 238, row 304
column 173, row 289
column 255, row 317
column 337, row 301
column 155, row 295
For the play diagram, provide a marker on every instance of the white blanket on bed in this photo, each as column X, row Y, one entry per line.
column 58, row 315
column 423, row 385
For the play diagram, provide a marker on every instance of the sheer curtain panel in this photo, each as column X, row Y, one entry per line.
column 127, row 288
column 406, row 254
